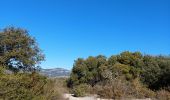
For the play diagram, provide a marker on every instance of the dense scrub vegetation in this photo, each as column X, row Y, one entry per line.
column 27, row 86
column 129, row 74
column 19, row 77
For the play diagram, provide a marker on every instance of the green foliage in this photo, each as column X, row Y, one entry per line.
column 81, row 90
column 152, row 72
column 132, row 59
column 18, row 50
column 97, row 69
column 26, row 86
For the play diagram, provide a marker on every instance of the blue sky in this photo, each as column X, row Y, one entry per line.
column 68, row 29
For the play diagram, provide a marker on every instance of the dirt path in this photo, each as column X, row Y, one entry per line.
column 70, row 97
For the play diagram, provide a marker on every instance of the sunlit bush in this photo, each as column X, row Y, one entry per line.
column 26, row 86
column 81, row 90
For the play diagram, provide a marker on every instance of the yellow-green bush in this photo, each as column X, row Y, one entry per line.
column 26, row 86
column 81, row 90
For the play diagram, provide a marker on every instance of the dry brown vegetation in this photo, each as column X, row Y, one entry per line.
column 119, row 88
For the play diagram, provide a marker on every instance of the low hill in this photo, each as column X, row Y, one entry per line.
column 55, row 72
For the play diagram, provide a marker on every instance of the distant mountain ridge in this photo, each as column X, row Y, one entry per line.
column 55, row 72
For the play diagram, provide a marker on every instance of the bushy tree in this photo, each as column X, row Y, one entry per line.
column 18, row 50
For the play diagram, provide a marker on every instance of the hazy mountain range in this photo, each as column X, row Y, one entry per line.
column 55, row 72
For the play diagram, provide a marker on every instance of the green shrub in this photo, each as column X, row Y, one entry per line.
column 81, row 90
column 27, row 86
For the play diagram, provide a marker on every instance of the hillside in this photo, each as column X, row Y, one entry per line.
column 55, row 72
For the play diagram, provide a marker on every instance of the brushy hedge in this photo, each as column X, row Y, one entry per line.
column 27, row 86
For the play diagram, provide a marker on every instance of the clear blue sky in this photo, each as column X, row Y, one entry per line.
column 68, row 29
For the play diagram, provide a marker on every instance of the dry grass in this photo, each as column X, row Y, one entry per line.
column 119, row 89
column 59, row 87
column 163, row 95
